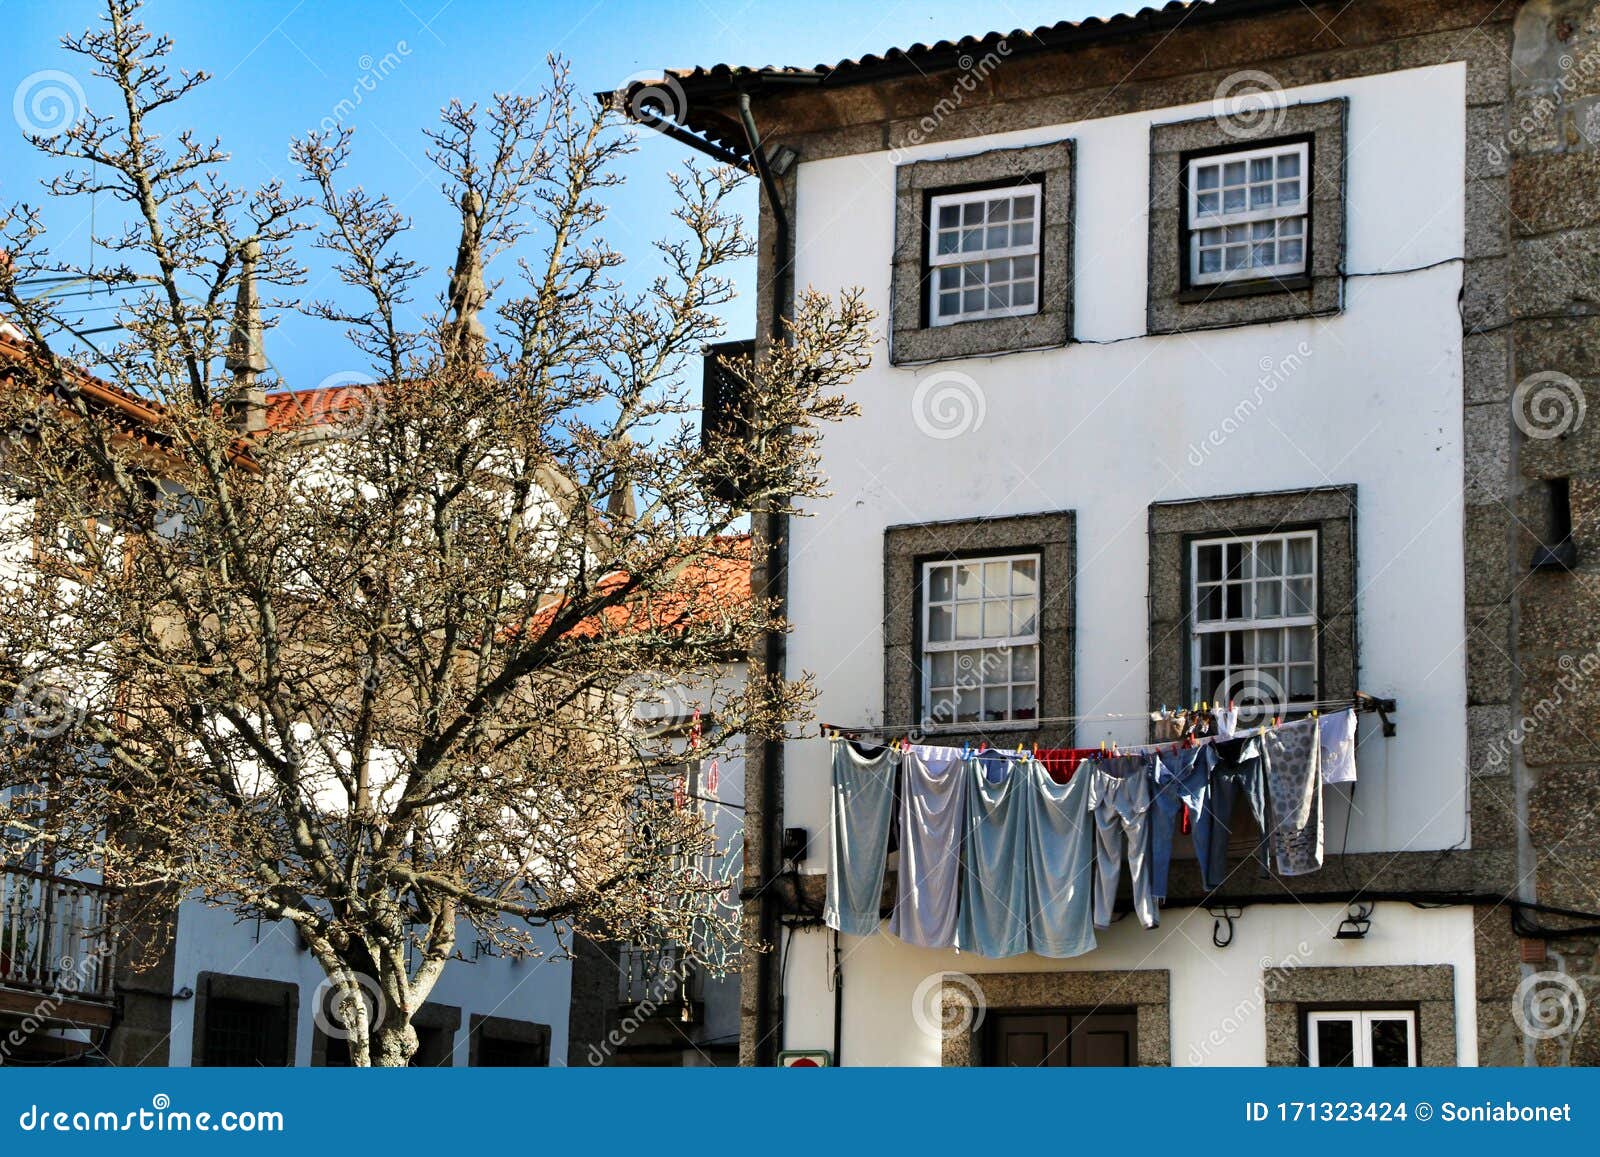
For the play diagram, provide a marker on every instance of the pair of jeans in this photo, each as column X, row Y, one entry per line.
column 1239, row 771
column 1119, row 798
column 1182, row 779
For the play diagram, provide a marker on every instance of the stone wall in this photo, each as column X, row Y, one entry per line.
column 1530, row 306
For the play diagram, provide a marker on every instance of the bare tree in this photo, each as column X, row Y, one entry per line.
column 367, row 666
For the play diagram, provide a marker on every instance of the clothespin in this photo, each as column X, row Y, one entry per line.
column 1102, row 747
column 1205, row 705
column 966, row 750
column 1231, row 707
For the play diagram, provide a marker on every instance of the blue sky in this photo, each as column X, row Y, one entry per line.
column 280, row 68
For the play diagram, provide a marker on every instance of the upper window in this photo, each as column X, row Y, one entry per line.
column 983, row 254
column 1249, row 214
column 1384, row 1038
column 1253, row 610
column 980, row 640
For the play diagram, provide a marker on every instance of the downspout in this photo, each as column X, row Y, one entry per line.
column 769, row 988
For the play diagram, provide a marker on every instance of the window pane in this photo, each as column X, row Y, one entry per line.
column 942, row 669
column 1023, row 581
column 1022, row 620
column 1269, row 557
column 1300, row 599
column 972, row 213
column 939, row 621
column 949, row 242
column 1269, row 647
column 949, row 304
column 1290, row 252
column 994, row 669
column 1300, row 555
column 1022, row 293
column 1300, row 644
column 972, row 301
column 967, row 621
column 999, row 210
column 1213, row 650
column 1024, row 702
column 1234, row 601
column 1269, row 599
column 1022, row 233
column 967, row 703
column 1391, row 1046
column 1335, row 1043
column 1233, row 200
column 1289, row 165
column 949, row 216
column 996, row 577
column 940, row 585
column 1233, row 173
column 996, row 702
column 1288, row 192
column 1205, row 177
column 968, row 579
column 1024, row 664
column 1208, row 607
column 1302, row 684
column 1023, row 206
column 996, row 622
column 1211, row 261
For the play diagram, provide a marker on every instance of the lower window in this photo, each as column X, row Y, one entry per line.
column 1062, row 1040
column 246, row 1034
column 1382, row 1038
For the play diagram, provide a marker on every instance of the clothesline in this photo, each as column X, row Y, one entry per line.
column 1361, row 702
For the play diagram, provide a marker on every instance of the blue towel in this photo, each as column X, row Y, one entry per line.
column 863, row 803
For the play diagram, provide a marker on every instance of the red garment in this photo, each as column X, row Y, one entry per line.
column 1061, row 762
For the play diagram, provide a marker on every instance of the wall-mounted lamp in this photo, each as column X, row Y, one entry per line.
column 781, row 159
column 1356, row 924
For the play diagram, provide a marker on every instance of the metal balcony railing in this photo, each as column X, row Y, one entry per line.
column 655, row 975
column 55, row 934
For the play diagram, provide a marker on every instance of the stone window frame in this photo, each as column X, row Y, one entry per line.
column 1428, row 990
column 1176, row 523
column 906, row 547
column 1148, row 991
column 505, row 1028
column 251, row 989
column 1173, row 305
column 913, row 341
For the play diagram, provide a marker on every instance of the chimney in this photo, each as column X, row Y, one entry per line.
column 246, row 407
column 464, row 335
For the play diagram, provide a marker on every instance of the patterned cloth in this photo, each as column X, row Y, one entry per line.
column 1294, row 789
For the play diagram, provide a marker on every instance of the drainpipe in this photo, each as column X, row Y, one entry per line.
column 769, row 990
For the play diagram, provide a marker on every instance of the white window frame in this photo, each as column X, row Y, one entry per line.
column 1008, row 644
column 1361, row 1022
column 938, row 261
column 1198, row 630
column 1198, row 221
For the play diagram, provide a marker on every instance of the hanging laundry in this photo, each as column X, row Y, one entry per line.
column 933, row 810
column 1338, row 741
column 1227, row 720
column 1181, row 778
column 863, row 803
column 1061, row 762
column 1294, row 787
column 1060, row 864
column 1119, row 797
column 994, row 857
column 1237, row 773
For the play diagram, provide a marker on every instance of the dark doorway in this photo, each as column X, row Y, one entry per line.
column 1061, row 1039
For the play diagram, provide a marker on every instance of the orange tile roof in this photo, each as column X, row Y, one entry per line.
column 706, row 590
